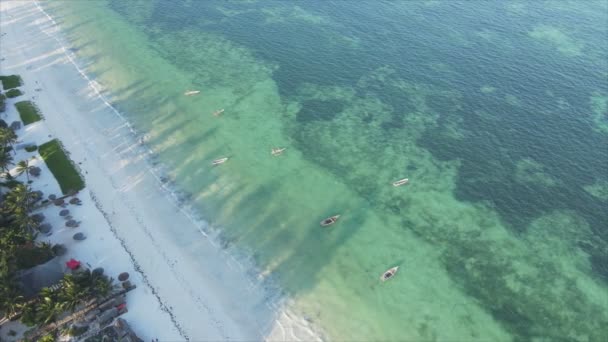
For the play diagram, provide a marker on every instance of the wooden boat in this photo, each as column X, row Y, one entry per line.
column 401, row 182
column 330, row 220
column 218, row 112
column 277, row 151
column 389, row 273
column 219, row 161
column 192, row 92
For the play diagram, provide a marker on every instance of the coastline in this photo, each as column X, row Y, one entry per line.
column 130, row 207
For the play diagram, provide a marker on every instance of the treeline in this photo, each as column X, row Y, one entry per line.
column 20, row 251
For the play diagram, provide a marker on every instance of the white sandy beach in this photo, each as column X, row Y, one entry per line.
column 187, row 287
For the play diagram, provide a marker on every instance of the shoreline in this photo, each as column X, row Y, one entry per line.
column 134, row 204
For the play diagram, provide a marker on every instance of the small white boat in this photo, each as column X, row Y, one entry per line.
column 389, row 273
column 277, row 151
column 192, row 92
column 219, row 161
column 330, row 220
column 401, row 182
column 218, row 112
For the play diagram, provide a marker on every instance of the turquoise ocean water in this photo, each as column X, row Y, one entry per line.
column 496, row 111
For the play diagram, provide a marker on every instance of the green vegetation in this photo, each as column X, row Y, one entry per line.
column 75, row 289
column 11, row 183
column 24, row 167
column 60, row 165
column 19, row 250
column 13, row 93
column 7, row 139
column 29, row 257
column 2, row 103
column 10, row 82
column 28, row 112
column 47, row 338
column 31, row 148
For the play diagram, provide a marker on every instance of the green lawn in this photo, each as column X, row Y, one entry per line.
column 10, row 82
column 28, row 112
column 13, row 93
column 61, row 167
column 2, row 103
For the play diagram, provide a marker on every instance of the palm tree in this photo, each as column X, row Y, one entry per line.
column 13, row 304
column 71, row 293
column 7, row 137
column 10, row 299
column 19, row 199
column 6, row 159
column 103, row 286
column 86, row 281
column 48, row 338
column 48, row 308
column 28, row 314
column 24, row 166
column 17, row 206
column 26, row 226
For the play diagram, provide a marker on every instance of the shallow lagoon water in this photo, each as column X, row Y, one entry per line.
column 497, row 112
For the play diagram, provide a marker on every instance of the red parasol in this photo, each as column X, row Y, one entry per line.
column 73, row 264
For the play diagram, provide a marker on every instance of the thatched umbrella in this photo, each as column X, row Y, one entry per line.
column 123, row 276
column 73, row 264
column 45, row 228
column 59, row 250
column 52, row 197
column 72, row 224
column 75, row 200
column 59, row 202
column 64, row 212
column 38, row 217
column 79, row 237
column 35, row 171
